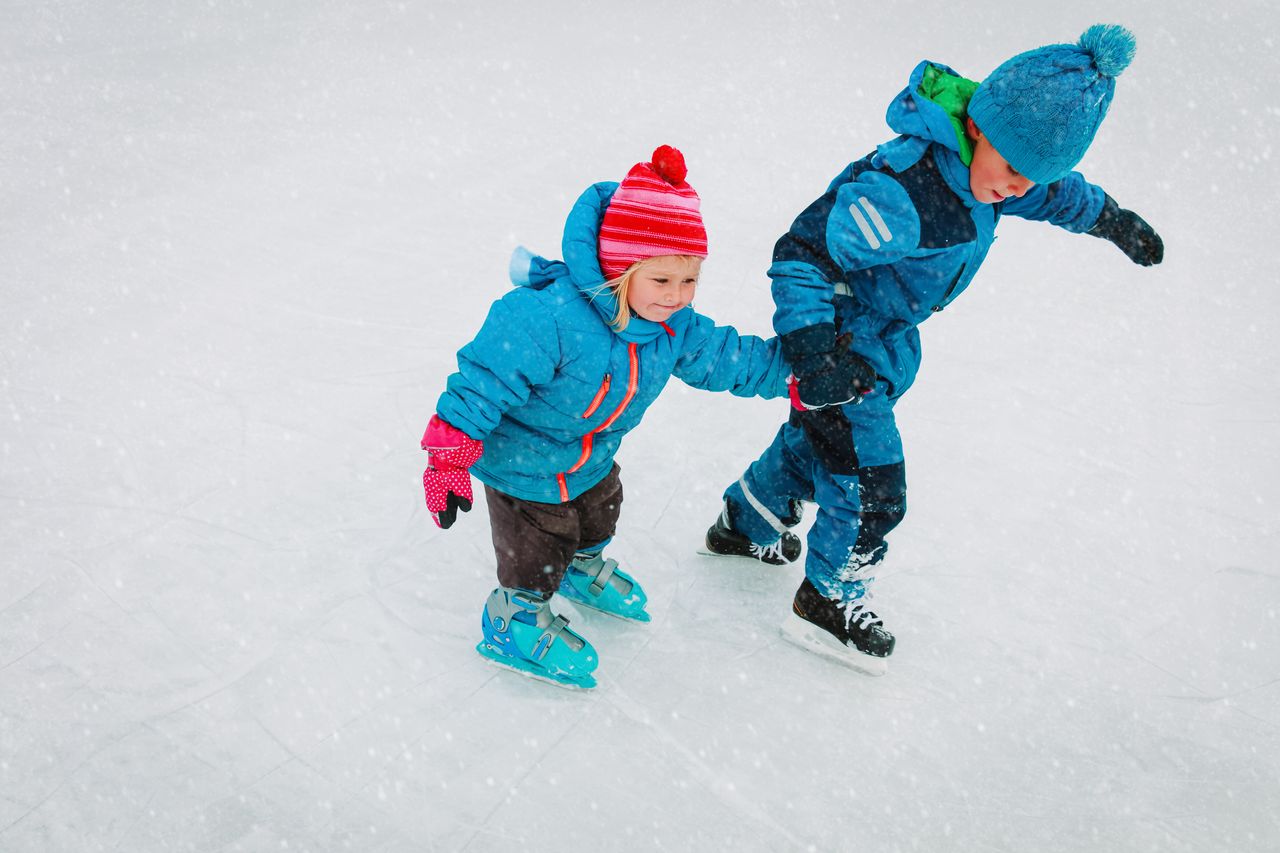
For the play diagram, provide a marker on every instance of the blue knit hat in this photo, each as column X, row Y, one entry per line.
column 1042, row 108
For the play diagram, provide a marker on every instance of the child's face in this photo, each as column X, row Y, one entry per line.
column 662, row 286
column 991, row 178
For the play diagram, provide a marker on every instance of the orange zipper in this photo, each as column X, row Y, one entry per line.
column 598, row 398
column 633, row 380
column 633, row 362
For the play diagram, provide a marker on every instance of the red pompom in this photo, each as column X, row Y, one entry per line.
column 668, row 162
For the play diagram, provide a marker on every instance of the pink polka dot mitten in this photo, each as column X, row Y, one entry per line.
column 447, row 482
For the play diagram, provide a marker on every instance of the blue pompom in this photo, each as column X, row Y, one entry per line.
column 1112, row 48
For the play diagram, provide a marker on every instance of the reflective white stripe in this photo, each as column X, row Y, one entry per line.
column 774, row 521
column 842, row 289
column 863, row 225
column 876, row 219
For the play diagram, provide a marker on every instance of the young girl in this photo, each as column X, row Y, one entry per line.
column 563, row 367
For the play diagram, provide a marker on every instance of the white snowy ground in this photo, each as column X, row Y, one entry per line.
column 241, row 243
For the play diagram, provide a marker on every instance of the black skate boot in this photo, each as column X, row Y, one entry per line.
column 848, row 633
column 723, row 540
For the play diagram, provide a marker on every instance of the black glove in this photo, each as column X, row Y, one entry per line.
column 1130, row 232
column 827, row 372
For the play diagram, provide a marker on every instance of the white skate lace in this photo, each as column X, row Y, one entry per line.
column 763, row 552
column 857, row 611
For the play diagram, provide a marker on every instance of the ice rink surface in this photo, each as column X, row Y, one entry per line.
column 241, row 243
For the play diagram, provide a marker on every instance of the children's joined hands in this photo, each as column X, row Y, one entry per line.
column 830, row 376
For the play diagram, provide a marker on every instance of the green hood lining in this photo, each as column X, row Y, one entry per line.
column 952, row 94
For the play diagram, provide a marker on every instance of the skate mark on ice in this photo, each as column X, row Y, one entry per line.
column 709, row 777
column 514, row 788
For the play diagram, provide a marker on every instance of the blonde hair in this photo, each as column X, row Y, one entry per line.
column 622, row 285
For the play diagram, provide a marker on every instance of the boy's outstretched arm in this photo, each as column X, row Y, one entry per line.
column 1084, row 208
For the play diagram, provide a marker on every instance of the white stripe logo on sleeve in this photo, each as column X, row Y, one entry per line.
column 881, row 227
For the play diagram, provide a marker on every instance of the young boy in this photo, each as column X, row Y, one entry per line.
column 896, row 237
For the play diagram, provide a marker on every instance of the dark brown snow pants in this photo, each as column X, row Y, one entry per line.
column 535, row 542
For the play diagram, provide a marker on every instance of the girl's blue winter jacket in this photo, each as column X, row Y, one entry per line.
column 551, row 388
column 898, row 235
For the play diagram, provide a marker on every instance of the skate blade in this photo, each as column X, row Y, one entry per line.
column 746, row 558
column 635, row 615
column 532, row 670
column 810, row 637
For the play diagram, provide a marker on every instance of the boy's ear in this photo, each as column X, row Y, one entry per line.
column 972, row 129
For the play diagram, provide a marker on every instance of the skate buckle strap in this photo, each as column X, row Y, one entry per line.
column 601, row 580
column 548, row 637
column 598, row 569
column 504, row 603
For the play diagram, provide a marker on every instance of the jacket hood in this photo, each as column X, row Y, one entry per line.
column 931, row 109
column 581, row 266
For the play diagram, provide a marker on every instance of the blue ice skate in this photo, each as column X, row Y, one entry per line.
column 522, row 633
column 599, row 583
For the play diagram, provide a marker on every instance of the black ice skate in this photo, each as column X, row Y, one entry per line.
column 848, row 633
column 723, row 540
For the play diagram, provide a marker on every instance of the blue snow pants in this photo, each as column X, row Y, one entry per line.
column 846, row 459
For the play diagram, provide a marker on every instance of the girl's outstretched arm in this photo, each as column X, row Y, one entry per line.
column 718, row 358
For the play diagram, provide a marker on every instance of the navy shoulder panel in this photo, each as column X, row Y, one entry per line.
column 944, row 219
column 806, row 241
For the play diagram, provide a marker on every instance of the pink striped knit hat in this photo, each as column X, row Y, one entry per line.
column 654, row 212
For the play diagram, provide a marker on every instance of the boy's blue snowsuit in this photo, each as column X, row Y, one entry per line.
column 896, row 237
column 551, row 388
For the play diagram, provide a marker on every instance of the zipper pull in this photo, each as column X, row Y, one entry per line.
column 598, row 398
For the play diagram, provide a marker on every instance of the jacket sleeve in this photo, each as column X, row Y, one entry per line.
column 1071, row 203
column 718, row 358
column 866, row 222
column 515, row 350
